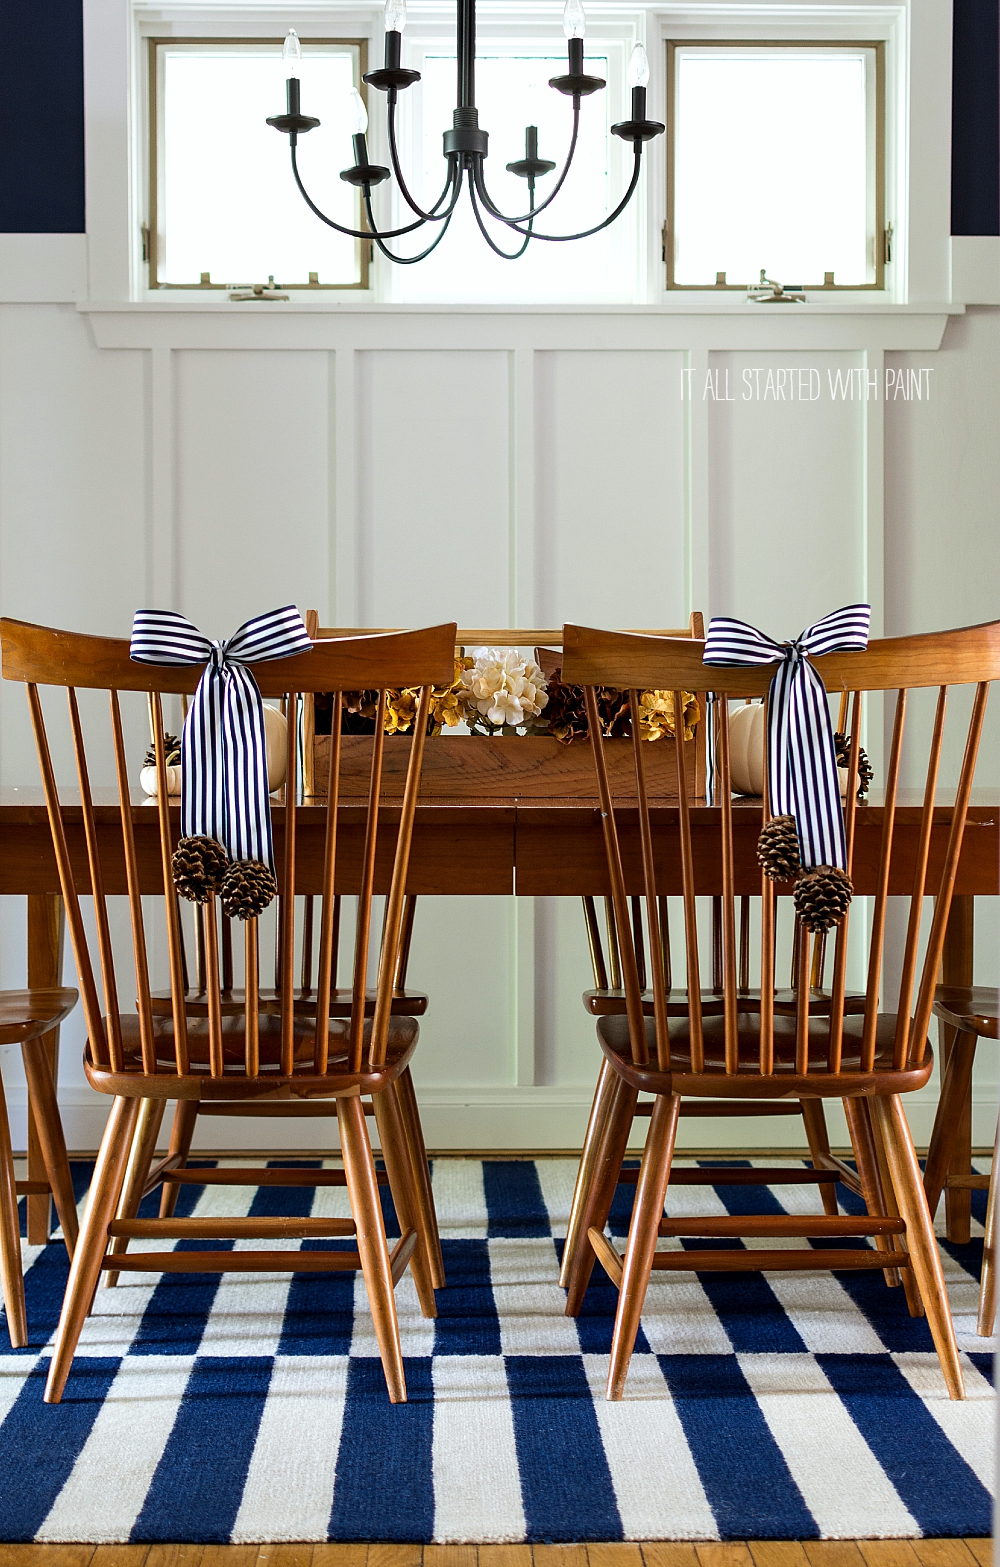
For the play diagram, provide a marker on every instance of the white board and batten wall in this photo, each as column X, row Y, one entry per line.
column 495, row 465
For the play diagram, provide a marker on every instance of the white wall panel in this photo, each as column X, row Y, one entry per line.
column 609, row 476
column 498, row 468
column 787, row 517
column 252, row 488
column 433, row 488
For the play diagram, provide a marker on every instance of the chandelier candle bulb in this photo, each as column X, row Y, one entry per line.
column 638, row 67
column 359, row 121
column 291, row 53
column 395, row 16
column 574, row 20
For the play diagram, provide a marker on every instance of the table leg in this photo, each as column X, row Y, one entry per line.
column 46, row 927
column 956, row 969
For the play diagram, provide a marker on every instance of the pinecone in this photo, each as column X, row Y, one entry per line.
column 822, row 897
column 866, row 772
column 172, row 750
column 778, row 849
column 198, row 868
column 247, row 889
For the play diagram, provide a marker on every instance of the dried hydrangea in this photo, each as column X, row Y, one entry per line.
column 656, row 714
column 448, row 702
column 503, row 687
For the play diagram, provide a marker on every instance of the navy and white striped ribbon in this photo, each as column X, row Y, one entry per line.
column 224, row 792
column 802, row 759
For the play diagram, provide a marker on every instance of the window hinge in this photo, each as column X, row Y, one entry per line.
column 144, row 231
column 663, row 247
column 887, row 243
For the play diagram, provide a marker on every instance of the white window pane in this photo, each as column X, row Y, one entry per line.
column 512, row 92
column 228, row 203
column 772, row 166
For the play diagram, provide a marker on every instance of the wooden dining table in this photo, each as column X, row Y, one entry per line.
column 499, row 846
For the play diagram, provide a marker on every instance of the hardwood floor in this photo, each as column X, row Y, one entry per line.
column 753, row 1553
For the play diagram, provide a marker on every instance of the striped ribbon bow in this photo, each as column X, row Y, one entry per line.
column 802, row 758
column 224, row 793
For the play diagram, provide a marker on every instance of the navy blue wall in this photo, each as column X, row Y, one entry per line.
column 41, row 118
column 975, row 118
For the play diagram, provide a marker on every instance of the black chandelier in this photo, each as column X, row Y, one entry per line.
column 465, row 144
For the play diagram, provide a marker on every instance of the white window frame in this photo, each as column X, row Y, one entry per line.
column 508, row 27
column 917, row 35
column 875, row 160
column 153, row 232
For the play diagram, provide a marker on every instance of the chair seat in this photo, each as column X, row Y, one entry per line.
column 973, row 1009
column 26, row 1014
column 270, row 1082
column 749, row 1082
column 611, row 1003
column 408, row 1003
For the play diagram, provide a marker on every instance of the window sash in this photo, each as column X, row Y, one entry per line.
column 875, row 194
column 153, row 237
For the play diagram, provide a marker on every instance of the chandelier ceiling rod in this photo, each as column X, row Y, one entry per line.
column 465, row 144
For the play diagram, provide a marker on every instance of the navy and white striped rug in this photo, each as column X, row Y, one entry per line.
column 253, row 1408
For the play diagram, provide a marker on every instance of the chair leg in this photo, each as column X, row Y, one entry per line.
column 399, row 1168
column 650, row 1196
column 362, row 1187
column 925, row 1259
column 105, row 1190
column 181, row 1133
column 955, row 1088
column 598, row 1200
column 423, row 1193
column 863, row 1142
column 575, row 1236
column 911, row 1285
column 988, row 1287
column 819, row 1144
column 141, row 1157
column 11, row 1276
column 51, row 1141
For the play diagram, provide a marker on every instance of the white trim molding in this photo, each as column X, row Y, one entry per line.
column 975, row 269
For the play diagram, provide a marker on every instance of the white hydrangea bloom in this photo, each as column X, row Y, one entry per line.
column 504, row 687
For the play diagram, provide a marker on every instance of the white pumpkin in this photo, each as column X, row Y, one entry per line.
column 747, row 749
column 275, row 740
column 147, row 779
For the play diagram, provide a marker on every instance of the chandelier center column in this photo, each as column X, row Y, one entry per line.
column 466, row 54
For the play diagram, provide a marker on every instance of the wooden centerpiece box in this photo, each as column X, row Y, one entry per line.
column 499, row 766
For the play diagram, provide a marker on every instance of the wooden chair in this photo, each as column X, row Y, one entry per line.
column 970, row 1013
column 26, row 1016
column 405, row 1003
column 607, row 999
column 868, row 1060
column 143, row 1060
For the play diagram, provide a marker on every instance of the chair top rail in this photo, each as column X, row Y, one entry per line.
column 42, row 655
column 498, row 636
column 970, row 654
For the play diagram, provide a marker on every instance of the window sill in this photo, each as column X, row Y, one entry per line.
column 818, row 304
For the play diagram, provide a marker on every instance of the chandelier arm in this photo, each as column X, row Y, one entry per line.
column 553, row 193
column 506, row 255
column 340, row 228
column 434, row 216
column 585, row 233
column 408, row 261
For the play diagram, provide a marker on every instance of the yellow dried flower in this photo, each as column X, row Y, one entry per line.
column 400, row 711
column 656, row 714
column 448, row 702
